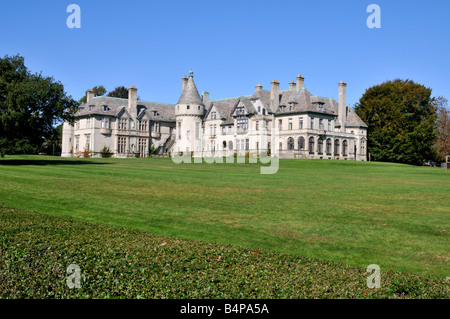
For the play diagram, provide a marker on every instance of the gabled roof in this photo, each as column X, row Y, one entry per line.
column 190, row 93
column 115, row 105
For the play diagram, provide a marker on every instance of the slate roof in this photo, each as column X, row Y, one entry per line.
column 291, row 101
column 190, row 93
column 165, row 112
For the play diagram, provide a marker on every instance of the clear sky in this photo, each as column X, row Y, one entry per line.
column 230, row 45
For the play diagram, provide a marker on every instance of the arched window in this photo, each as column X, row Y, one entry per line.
column 301, row 143
column 290, row 143
column 224, row 145
column 329, row 146
column 311, row 145
column 264, row 111
column 230, row 145
column 320, row 145
column 344, row 148
column 336, row 147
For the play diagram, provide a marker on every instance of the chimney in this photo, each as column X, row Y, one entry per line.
column 300, row 82
column 274, row 95
column 258, row 88
column 292, row 85
column 90, row 95
column 132, row 101
column 184, row 81
column 205, row 97
column 342, row 112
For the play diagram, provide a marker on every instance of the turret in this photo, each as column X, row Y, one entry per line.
column 189, row 112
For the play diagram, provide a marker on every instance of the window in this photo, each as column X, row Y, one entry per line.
column 280, row 125
column 142, row 126
column 242, row 123
column 344, row 148
column 247, row 144
column 77, row 144
column 300, row 124
column 88, row 122
column 301, row 143
column 363, row 147
column 336, row 147
column 281, row 146
column 312, row 122
column 259, row 109
column 320, row 124
column 329, row 146
column 157, row 127
column 264, row 111
column 320, row 146
column 290, row 125
column 257, row 125
column 122, row 145
column 213, row 115
column 290, row 143
column 88, row 142
column 197, row 130
column 230, row 145
column 105, row 108
column 188, row 107
column 179, row 130
column 329, row 125
column 77, row 124
column 123, row 124
column 224, row 145
column 142, row 147
column 311, row 145
column 91, row 108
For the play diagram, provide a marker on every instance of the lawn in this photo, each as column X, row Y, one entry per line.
column 114, row 262
column 356, row 213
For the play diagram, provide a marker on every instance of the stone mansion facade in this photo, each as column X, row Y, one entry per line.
column 306, row 126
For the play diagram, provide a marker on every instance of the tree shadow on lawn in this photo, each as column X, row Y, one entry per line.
column 18, row 162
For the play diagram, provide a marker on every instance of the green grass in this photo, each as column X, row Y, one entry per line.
column 36, row 249
column 356, row 213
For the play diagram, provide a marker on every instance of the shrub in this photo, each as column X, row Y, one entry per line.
column 106, row 152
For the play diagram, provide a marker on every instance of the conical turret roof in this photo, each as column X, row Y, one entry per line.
column 190, row 93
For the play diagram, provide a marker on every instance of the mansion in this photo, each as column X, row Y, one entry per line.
column 306, row 126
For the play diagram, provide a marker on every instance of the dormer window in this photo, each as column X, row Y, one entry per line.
column 155, row 113
column 91, row 108
column 213, row 115
column 105, row 108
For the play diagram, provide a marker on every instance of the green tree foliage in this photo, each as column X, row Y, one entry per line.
column 401, row 117
column 98, row 91
column 119, row 91
column 30, row 106
column 443, row 128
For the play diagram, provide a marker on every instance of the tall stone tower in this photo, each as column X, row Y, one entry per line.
column 189, row 113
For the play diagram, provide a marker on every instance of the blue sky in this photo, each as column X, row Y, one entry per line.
column 231, row 45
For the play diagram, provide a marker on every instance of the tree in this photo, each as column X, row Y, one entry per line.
column 401, row 117
column 442, row 144
column 30, row 104
column 98, row 91
column 119, row 91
